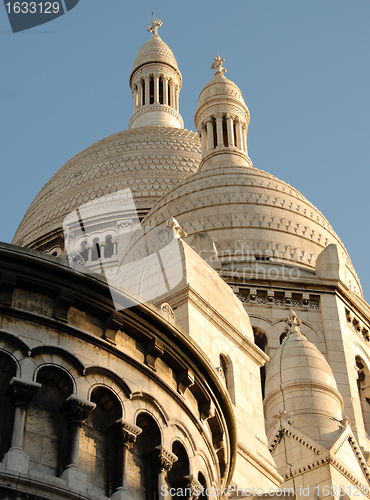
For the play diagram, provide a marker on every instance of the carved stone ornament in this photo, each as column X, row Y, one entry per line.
column 21, row 392
column 164, row 460
column 124, row 433
column 177, row 229
column 166, row 308
column 217, row 66
column 75, row 409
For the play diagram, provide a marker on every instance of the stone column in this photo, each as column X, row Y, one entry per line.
column 172, row 94
column 75, row 411
column 102, row 249
column 124, row 436
column 163, row 464
column 239, row 135
column 165, row 90
column 244, row 130
column 220, row 135
column 177, row 94
column 209, row 125
column 20, row 393
column 230, row 130
column 203, row 139
column 135, row 99
column 156, row 89
column 140, row 93
column 147, row 90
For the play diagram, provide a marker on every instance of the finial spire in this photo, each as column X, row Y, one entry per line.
column 293, row 322
column 156, row 23
column 217, row 66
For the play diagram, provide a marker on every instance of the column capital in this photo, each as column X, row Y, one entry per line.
column 229, row 116
column 21, row 392
column 163, row 459
column 124, row 433
column 165, row 78
column 208, row 120
column 76, row 409
column 218, row 116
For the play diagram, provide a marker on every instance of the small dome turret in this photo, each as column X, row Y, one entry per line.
column 301, row 383
column 155, row 82
column 222, row 120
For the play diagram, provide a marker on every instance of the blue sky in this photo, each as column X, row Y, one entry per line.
column 303, row 68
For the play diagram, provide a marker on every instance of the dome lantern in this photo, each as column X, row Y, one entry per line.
column 155, row 83
column 222, row 120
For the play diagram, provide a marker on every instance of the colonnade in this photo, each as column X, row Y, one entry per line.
column 156, row 89
column 225, row 130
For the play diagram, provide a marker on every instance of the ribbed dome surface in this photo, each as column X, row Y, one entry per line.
column 247, row 210
column 154, row 50
column 148, row 160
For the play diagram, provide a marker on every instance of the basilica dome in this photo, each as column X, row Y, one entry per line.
column 148, row 160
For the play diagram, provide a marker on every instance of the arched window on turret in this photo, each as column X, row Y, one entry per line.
column 363, row 386
column 161, row 90
column 95, row 250
column 214, row 134
column 45, row 430
column 227, row 373
column 145, row 455
column 224, row 132
column 178, row 475
column 260, row 339
column 7, row 372
column 151, row 90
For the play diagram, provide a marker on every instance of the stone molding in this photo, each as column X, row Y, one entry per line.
column 164, row 108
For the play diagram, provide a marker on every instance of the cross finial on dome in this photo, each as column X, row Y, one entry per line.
column 156, row 23
column 217, row 66
column 293, row 322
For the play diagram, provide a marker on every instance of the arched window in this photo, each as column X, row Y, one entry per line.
column 227, row 373
column 177, row 476
column 224, row 132
column 161, row 90
column 144, row 456
column 7, row 372
column 95, row 250
column 151, row 90
column 108, row 250
column 363, row 386
column 45, row 430
column 84, row 251
column 260, row 340
column 97, row 450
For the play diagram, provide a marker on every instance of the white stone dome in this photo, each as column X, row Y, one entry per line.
column 249, row 213
column 148, row 160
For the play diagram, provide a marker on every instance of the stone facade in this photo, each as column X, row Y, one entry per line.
column 194, row 373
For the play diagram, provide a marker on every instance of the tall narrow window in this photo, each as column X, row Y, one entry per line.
column 97, row 450
column 144, row 457
column 45, row 430
column 161, row 90
column 177, row 475
column 95, row 250
column 260, row 340
column 151, row 90
column 108, row 251
column 7, row 372
column 214, row 134
column 227, row 373
column 224, row 132
column 363, row 386
column 143, row 93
